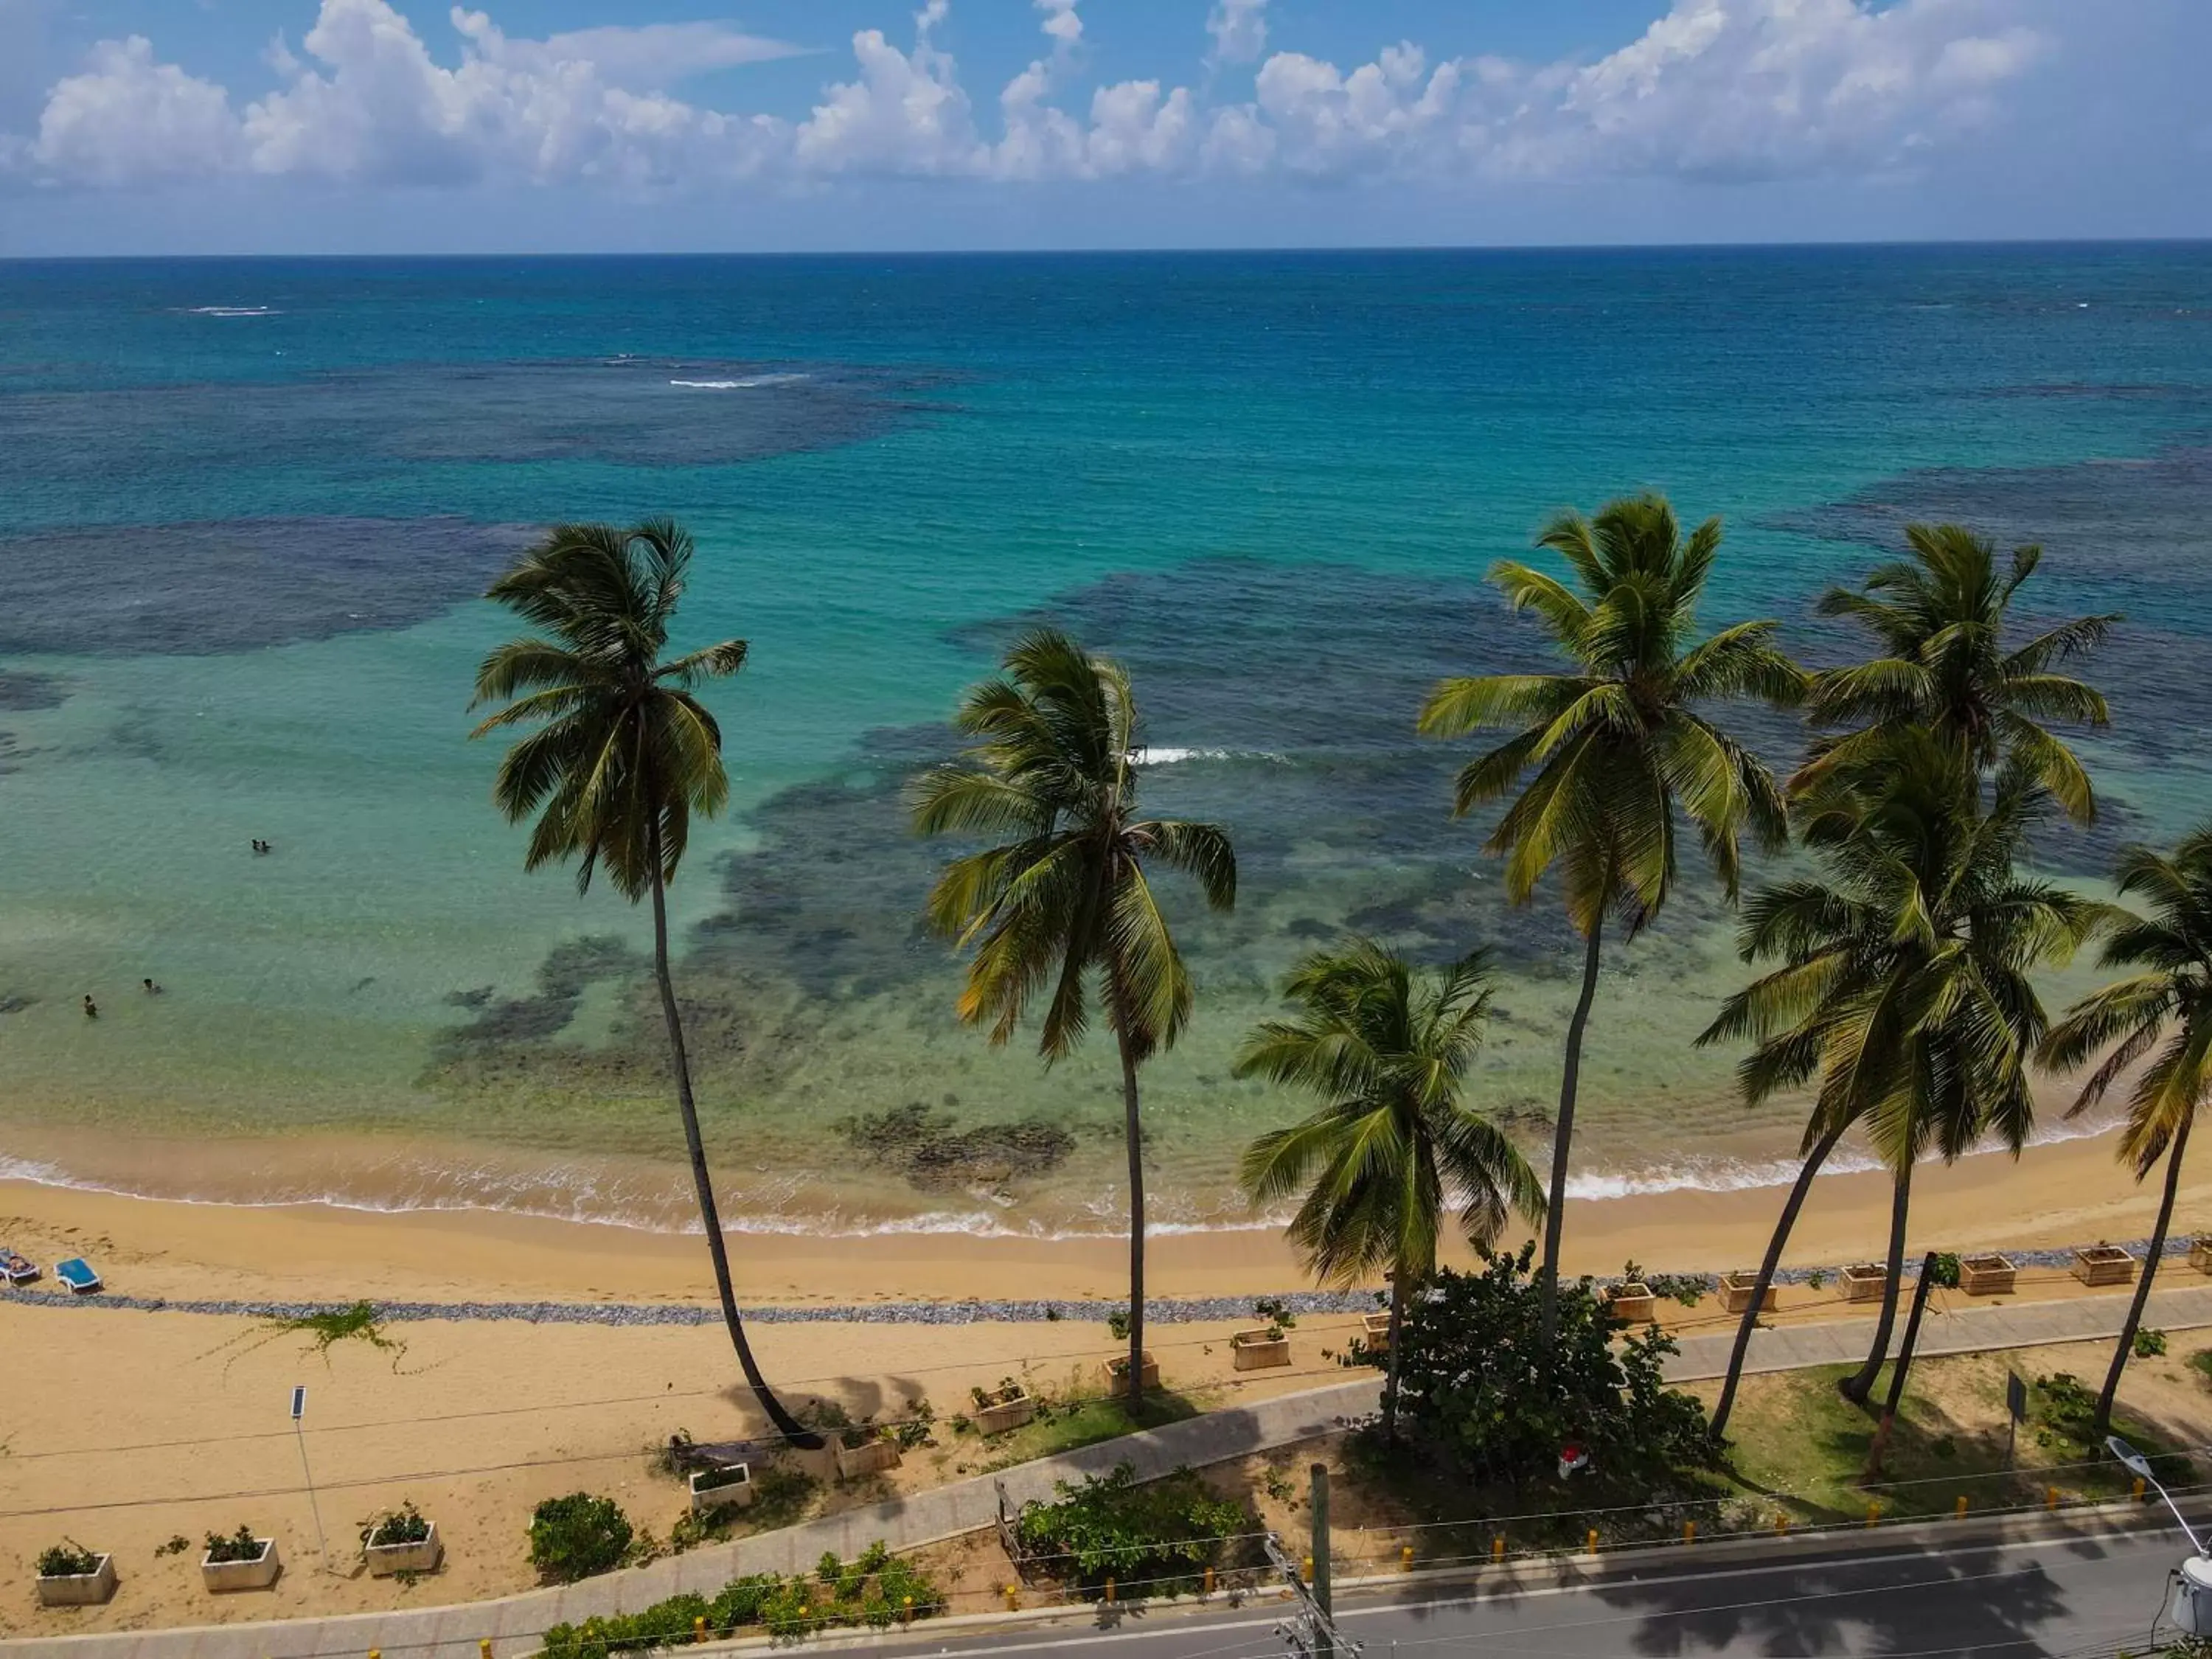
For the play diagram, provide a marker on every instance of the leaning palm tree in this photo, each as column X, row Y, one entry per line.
column 1620, row 746
column 1904, row 990
column 1393, row 1145
column 1064, row 897
column 623, row 753
column 2168, row 1007
column 1940, row 623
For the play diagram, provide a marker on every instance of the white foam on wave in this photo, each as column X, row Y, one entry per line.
column 588, row 1205
column 746, row 383
column 1166, row 754
column 231, row 311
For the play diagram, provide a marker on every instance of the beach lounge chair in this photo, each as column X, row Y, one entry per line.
column 17, row 1269
column 77, row 1273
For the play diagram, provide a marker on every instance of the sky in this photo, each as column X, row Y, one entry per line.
column 366, row 126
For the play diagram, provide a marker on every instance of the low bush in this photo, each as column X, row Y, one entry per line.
column 1157, row 1536
column 68, row 1559
column 1946, row 1275
column 576, row 1536
column 715, row 1476
column 240, row 1545
column 876, row 1590
column 2149, row 1344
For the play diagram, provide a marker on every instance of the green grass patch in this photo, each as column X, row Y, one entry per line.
column 1064, row 1425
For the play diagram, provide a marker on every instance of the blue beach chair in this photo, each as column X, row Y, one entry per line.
column 77, row 1273
column 16, row 1268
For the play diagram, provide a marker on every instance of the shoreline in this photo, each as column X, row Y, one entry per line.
column 2060, row 1194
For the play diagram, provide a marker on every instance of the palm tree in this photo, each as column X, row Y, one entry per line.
column 2168, row 1007
column 623, row 753
column 1905, row 987
column 1619, row 745
column 1940, row 622
column 1065, row 894
column 1388, row 1051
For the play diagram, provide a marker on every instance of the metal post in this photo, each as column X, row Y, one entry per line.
column 1321, row 1584
column 299, row 1434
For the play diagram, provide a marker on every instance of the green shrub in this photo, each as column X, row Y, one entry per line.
column 1111, row 1527
column 873, row 1591
column 405, row 1525
column 68, row 1559
column 1945, row 1276
column 576, row 1536
column 240, row 1545
column 2149, row 1344
column 1117, row 1324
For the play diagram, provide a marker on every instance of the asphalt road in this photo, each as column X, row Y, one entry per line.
column 2079, row 1598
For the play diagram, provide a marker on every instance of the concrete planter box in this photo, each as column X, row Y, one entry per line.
column 423, row 1555
column 79, row 1590
column 2103, row 1264
column 1001, row 1416
column 729, row 1487
column 1633, row 1302
column 2200, row 1252
column 1257, row 1351
column 1116, row 1373
column 878, row 1453
column 1865, row 1281
column 224, row 1577
column 1736, row 1288
column 1375, row 1332
column 1987, row 1275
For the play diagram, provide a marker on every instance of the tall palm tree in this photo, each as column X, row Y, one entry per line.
column 624, row 753
column 1619, row 745
column 1394, row 1145
column 1939, row 621
column 1065, row 895
column 2166, row 1007
column 1904, row 987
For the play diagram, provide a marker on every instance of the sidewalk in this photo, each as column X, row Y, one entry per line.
column 512, row 1623
column 1969, row 1329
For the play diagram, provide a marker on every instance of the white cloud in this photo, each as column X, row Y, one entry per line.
column 1713, row 89
column 1239, row 28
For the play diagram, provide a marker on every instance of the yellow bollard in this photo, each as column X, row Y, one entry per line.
column 1593, row 1540
column 1309, row 1570
column 1209, row 1581
column 1109, row 1591
column 1689, row 1532
column 1874, row 1515
column 698, row 1630
column 1961, row 1511
column 1781, row 1524
column 483, row 1646
column 1405, row 1558
column 1014, row 1599
column 2139, row 1489
column 2051, row 1498
column 906, row 1610
column 1498, row 1547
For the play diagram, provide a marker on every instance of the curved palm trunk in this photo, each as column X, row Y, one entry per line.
column 1814, row 1160
column 1132, row 1131
column 1391, row 1372
column 2125, row 1348
column 795, row 1431
column 1859, row 1385
column 1563, row 1132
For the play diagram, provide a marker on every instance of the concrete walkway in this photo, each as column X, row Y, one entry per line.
column 513, row 1623
column 1962, row 1327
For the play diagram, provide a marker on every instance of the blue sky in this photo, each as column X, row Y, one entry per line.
column 395, row 125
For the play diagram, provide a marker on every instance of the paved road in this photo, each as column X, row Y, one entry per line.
column 2081, row 1598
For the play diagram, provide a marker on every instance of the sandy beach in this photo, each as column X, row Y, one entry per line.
column 129, row 1428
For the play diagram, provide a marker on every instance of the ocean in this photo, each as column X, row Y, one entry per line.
column 251, row 504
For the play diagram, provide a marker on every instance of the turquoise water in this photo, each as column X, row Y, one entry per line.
column 251, row 503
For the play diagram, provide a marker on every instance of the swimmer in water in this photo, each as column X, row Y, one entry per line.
column 152, row 989
column 91, row 1009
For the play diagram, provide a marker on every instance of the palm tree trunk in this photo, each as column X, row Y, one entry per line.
column 1859, row 1385
column 793, row 1429
column 1803, row 1185
column 1563, row 1132
column 1391, row 1372
column 2125, row 1349
column 1132, row 1131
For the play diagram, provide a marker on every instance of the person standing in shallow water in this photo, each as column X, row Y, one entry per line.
column 91, row 1008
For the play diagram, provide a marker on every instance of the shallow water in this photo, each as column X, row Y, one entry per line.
column 250, row 502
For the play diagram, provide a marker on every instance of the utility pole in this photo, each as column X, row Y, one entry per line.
column 1310, row 1633
column 1320, row 1588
